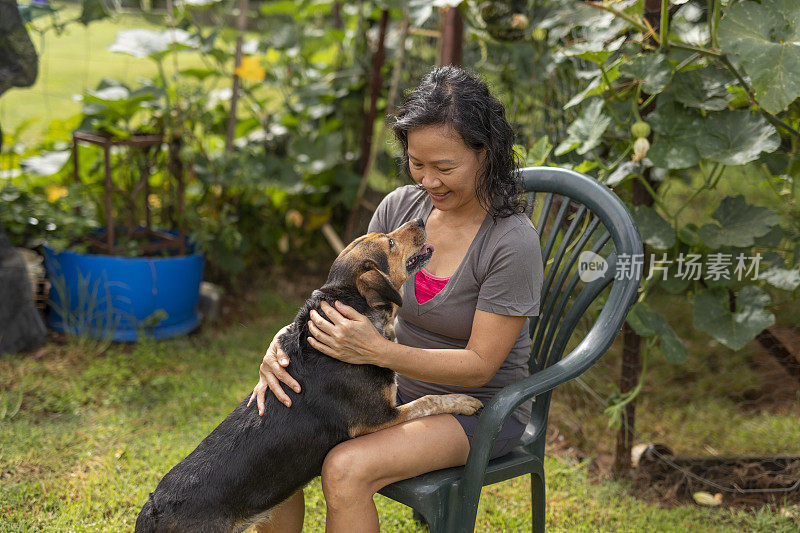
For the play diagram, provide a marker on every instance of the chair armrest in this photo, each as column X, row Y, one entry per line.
column 495, row 414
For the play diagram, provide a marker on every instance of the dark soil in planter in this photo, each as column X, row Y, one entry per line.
column 138, row 242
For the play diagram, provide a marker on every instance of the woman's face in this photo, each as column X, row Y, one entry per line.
column 448, row 169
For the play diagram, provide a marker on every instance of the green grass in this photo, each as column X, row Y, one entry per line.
column 99, row 425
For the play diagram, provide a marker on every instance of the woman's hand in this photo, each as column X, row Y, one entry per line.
column 269, row 374
column 348, row 335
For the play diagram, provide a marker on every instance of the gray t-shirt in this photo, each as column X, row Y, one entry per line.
column 501, row 273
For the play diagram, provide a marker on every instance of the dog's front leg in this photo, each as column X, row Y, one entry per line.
column 433, row 404
column 437, row 404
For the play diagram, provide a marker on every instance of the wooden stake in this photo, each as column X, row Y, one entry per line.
column 241, row 26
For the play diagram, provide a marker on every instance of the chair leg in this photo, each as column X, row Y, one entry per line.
column 537, row 503
column 435, row 524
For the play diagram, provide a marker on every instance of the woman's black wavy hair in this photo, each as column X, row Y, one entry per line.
column 453, row 97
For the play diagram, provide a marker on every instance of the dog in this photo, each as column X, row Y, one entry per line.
column 249, row 464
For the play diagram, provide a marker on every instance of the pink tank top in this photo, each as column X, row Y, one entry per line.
column 426, row 285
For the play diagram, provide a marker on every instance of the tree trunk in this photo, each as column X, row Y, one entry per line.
column 778, row 350
column 631, row 352
column 629, row 377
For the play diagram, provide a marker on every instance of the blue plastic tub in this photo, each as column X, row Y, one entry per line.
column 121, row 298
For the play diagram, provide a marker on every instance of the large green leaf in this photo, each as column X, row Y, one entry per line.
column 597, row 86
column 736, row 137
column 626, row 170
column 117, row 102
column 46, row 164
column 782, row 278
column 777, row 275
column 765, row 38
column 143, row 43
column 318, row 154
column 673, row 283
column 651, row 69
column 587, row 130
column 654, row 230
column 678, row 131
column 648, row 323
column 712, row 314
column 596, row 51
column 704, row 88
column 537, row 154
column 740, row 224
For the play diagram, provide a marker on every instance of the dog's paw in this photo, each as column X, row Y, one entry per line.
column 461, row 404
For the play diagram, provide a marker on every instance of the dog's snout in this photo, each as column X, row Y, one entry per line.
column 419, row 222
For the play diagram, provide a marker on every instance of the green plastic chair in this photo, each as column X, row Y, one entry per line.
column 448, row 499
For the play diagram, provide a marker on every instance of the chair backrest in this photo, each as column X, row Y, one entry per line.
column 589, row 241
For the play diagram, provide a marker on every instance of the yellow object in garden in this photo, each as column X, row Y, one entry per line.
column 154, row 200
column 250, row 69
column 705, row 498
column 54, row 192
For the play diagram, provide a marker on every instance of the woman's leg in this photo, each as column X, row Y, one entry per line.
column 287, row 517
column 356, row 469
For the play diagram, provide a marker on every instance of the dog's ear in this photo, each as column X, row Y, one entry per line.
column 376, row 286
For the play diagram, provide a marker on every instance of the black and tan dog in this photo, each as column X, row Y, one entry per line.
column 251, row 463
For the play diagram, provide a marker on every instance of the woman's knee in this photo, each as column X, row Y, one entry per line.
column 344, row 476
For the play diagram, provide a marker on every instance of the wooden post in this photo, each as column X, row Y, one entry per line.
column 146, row 187
column 176, row 168
column 75, row 166
column 375, row 84
column 108, row 191
column 452, row 36
column 336, row 12
column 241, row 26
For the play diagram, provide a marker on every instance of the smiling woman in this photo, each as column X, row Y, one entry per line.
column 467, row 334
column 446, row 168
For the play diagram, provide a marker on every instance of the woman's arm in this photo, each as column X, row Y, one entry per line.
column 352, row 338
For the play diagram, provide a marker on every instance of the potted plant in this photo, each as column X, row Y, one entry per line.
column 130, row 276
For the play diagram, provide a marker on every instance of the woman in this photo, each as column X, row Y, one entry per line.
column 463, row 324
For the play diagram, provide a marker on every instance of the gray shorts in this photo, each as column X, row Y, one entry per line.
column 508, row 438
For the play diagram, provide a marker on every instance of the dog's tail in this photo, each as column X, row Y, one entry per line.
column 147, row 522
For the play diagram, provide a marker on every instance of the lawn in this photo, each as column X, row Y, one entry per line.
column 99, row 425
